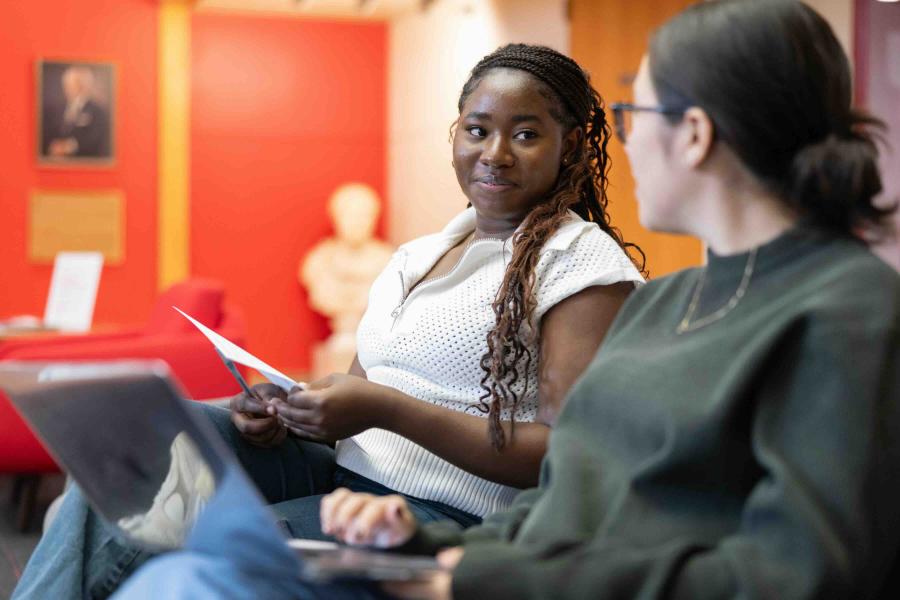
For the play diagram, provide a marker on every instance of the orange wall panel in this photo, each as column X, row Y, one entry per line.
column 608, row 39
column 283, row 112
column 118, row 31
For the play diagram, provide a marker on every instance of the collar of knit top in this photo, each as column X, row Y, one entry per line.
column 723, row 276
column 791, row 243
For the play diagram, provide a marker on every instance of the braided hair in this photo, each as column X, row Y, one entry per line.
column 580, row 186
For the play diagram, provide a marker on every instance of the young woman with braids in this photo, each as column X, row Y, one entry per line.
column 487, row 317
column 471, row 339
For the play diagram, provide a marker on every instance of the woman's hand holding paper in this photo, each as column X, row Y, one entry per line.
column 333, row 408
column 253, row 418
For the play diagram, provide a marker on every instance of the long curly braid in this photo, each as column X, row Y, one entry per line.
column 580, row 186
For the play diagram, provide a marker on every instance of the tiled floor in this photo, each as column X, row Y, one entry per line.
column 15, row 546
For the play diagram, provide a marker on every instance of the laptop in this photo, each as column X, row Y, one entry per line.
column 124, row 432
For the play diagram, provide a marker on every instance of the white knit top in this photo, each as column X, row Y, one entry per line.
column 428, row 343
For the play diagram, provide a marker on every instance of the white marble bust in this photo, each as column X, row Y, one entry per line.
column 339, row 270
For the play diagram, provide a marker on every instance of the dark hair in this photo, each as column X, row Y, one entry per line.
column 776, row 83
column 580, row 186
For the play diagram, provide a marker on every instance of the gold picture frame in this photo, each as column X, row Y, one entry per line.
column 76, row 113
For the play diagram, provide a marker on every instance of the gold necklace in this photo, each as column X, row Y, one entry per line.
column 685, row 325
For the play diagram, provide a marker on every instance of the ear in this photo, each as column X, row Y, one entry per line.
column 451, row 133
column 695, row 137
column 571, row 142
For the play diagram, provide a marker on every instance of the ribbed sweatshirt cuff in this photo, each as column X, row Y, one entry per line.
column 431, row 538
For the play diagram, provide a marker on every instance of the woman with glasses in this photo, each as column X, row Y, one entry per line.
column 738, row 433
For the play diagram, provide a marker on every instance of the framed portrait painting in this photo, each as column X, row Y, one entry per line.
column 76, row 113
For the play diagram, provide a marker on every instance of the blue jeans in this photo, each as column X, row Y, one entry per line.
column 235, row 552
column 80, row 555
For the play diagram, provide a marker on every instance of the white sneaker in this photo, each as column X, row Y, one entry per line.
column 184, row 493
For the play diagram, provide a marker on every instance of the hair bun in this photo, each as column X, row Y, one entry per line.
column 834, row 180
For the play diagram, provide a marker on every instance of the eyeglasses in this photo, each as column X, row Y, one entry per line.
column 622, row 115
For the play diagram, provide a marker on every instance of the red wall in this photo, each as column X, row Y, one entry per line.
column 119, row 31
column 876, row 41
column 283, row 112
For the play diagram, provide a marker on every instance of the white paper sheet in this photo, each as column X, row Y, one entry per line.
column 239, row 355
column 73, row 290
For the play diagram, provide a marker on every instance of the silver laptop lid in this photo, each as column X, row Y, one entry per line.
column 140, row 455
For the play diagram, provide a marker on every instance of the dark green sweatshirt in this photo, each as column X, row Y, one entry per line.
column 754, row 456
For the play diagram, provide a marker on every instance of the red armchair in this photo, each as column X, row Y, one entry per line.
column 167, row 335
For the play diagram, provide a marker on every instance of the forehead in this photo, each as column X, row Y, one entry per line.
column 509, row 91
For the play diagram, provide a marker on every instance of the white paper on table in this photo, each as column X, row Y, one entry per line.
column 234, row 352
column 73, row 290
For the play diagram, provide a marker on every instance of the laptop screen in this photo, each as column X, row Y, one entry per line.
column 142, row 458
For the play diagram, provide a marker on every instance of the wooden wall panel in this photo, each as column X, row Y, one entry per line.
column 608, row 39
column 81, row 221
